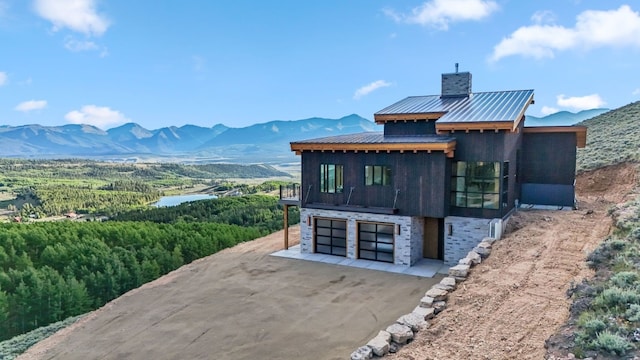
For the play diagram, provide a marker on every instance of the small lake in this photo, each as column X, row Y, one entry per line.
column 179, row 199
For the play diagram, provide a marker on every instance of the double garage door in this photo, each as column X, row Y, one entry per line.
column 375, row 241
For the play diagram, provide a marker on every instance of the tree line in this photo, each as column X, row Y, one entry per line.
column 52, row 270
column 261, row 211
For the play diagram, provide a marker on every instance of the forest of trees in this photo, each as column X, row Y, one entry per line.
column 21, row 172
column 52, row 270
column 260, row 211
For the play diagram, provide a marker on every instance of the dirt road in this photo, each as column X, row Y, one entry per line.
column 514, row 301
column 242, row 304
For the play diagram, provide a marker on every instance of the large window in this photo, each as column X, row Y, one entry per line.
column 505, row 184
column 475, row 185
column 377, row 175
column 331, row 237
column 375, row 241
column 331, row 178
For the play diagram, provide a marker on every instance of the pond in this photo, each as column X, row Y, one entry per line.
column 179, row 199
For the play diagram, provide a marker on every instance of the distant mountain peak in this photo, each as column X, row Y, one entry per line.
column 269, row 140
column 563, row 118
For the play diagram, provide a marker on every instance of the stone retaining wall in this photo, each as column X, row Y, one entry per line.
column 434, row 301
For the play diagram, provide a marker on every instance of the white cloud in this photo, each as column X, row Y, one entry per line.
column 593, row 28
column 543, row 17
column 636, row 92
column 367, row 89
column 100, row 116
column 77, row 15
column 3, row 78
column 80, row 45
column 31, row 105
column 74, row 45
column 548, row 110
column 440, row 13
column 581, row 102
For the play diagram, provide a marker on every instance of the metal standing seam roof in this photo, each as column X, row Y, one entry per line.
column 378, row 138
column 496, row 106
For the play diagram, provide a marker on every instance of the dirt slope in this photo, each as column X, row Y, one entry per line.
column 514, row 301
column 242, row 303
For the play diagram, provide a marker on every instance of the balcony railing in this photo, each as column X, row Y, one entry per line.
column 290, row 193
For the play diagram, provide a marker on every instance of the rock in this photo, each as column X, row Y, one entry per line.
column 393, row 348
column 474, row 257
column 380, row 344
column 446, row 288
column 484, row 249
column 490, row 240
column 400, row 334
column 414, row 321
column 464, row 261
column 362, row 353
column 425, row 313
column 459, row 272
column 426, row 302
column 437, row 294
column 449, row 281
column 438, row 306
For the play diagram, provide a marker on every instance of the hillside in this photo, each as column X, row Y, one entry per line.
column 612, row 137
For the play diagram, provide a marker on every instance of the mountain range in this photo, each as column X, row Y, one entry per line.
column 189, row 141
column 265, row 142
column 563, row 118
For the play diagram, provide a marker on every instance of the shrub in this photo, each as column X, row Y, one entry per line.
column 633, row 313
column 593, row 326
column 615, row 297
column 612, row 343
column 625, row 279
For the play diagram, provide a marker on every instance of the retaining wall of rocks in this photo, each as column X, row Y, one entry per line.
column 434, row 301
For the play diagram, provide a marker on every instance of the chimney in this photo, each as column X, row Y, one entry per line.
column 457, row 84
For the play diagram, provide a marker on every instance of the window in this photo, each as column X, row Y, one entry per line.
column 331, row 237
column 375, row 242
column 331, row 178
column 505, row 184
column 377, row 175
column 475, row 185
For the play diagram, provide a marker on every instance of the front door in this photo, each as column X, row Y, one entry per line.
column 431, row 238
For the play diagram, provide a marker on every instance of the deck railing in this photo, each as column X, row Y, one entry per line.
column 290, row 192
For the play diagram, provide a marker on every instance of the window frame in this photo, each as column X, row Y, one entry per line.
column 331, row 178
column 377, row 175
column 477, row 184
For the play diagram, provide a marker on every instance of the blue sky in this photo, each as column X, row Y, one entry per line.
column 162, row 63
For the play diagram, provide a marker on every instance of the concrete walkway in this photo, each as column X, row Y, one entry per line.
column 423, row 268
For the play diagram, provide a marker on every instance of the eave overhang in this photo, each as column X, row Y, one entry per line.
column 381, row 119
column 447, row 147
column 580, row 131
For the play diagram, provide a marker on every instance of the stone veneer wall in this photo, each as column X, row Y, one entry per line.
column 407, row 244
column 417, row 236
column 467, row 233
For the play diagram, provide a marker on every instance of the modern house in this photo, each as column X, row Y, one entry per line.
column 447, row 171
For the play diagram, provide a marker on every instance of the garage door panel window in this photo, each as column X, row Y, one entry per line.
column 330, row 237
column 375, row 241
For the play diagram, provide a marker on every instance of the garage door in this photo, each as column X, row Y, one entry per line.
column 375, row 242
column 331, row 237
